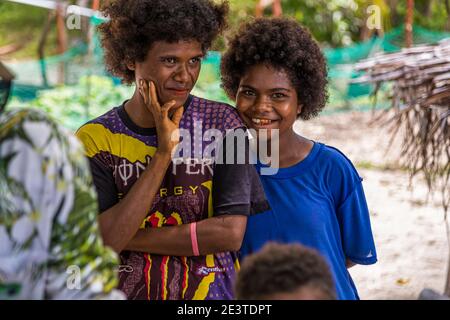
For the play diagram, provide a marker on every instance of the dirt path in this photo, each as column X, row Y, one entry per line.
column 409, row 232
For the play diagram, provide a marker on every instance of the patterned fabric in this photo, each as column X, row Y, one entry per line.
column 120, row 151
column 50, row 246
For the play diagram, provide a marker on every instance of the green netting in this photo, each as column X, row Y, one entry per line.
column 341, row 60
column 390, row 42
column 38, row 80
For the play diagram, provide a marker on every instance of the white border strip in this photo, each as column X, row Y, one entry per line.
column 52, row 5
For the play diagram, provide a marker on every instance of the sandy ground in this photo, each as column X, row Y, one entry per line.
column 409, row 231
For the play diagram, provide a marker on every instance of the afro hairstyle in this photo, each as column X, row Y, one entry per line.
column 285, row 45
column 133, row 27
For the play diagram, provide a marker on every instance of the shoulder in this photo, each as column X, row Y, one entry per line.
column 337, row 160
column 20, row 118
column 220, row 115
column 212, row 104
column 37, row 129
column 105, row 120
column 338, row 171
column 98, row 130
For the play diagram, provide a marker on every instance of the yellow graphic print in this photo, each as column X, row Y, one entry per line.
column 97, row 138
column 185, row 276
column 208, row 185
column 203, row 287
column 147, row 273
column 164, row 272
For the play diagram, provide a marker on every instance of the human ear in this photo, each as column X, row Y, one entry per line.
column 299, row 110
column 131, row 66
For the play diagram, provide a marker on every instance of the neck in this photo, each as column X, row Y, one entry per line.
column 292, row 149
column 138, row 112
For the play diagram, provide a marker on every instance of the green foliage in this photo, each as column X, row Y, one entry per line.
column 430, row 14
column 92, row 96
column 240, row 12
column 339, row 23
column 208, row 84
column 334, row 22
column 22, row 23
column 73, row 106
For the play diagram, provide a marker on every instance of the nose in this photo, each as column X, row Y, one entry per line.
column 262, row 105
column 182, row 74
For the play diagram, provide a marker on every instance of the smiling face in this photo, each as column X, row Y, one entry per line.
column 266, row 99
column 173, row 67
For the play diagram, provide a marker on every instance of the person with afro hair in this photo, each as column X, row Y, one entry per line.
column 177, row 225
column 276, row 73
column 285, row 272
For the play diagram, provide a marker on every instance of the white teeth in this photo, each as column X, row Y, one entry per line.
column 261, row 121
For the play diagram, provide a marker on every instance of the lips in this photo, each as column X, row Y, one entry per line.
column 179, row 92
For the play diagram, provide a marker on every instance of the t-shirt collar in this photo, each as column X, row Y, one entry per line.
column 140, row 130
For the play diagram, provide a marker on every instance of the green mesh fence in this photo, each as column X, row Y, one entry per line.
column 81, row 71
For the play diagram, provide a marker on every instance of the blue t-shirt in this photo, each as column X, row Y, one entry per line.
column 320, row 203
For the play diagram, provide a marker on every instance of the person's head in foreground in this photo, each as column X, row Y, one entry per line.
column 285, row 272
column 276, row 73
column 162, row 41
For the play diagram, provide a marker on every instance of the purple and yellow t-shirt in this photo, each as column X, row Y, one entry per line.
column 119, row 152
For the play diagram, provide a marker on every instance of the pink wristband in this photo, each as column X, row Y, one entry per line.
column 194, row 239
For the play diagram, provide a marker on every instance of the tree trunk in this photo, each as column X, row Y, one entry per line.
column 41, row 47
column 447, row 8
column 409, row 24
column 428, row 6
column 95, row 4
column 61, row 38
column 394, row 14
column 260, row 5
column 277, row 8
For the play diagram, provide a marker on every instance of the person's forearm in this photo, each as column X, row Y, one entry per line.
column 120, row 223
column 217, row 234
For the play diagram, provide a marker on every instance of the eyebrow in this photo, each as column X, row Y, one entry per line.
column 271, row 90
column 167, row 56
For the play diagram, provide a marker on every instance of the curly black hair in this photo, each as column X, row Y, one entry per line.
column 283, row 268
column 134, row 26
column 283, row 44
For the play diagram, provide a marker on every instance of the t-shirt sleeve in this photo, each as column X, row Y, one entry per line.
column 356, row 231
column 104, row 185
column 237, row 189
column 102, row 173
